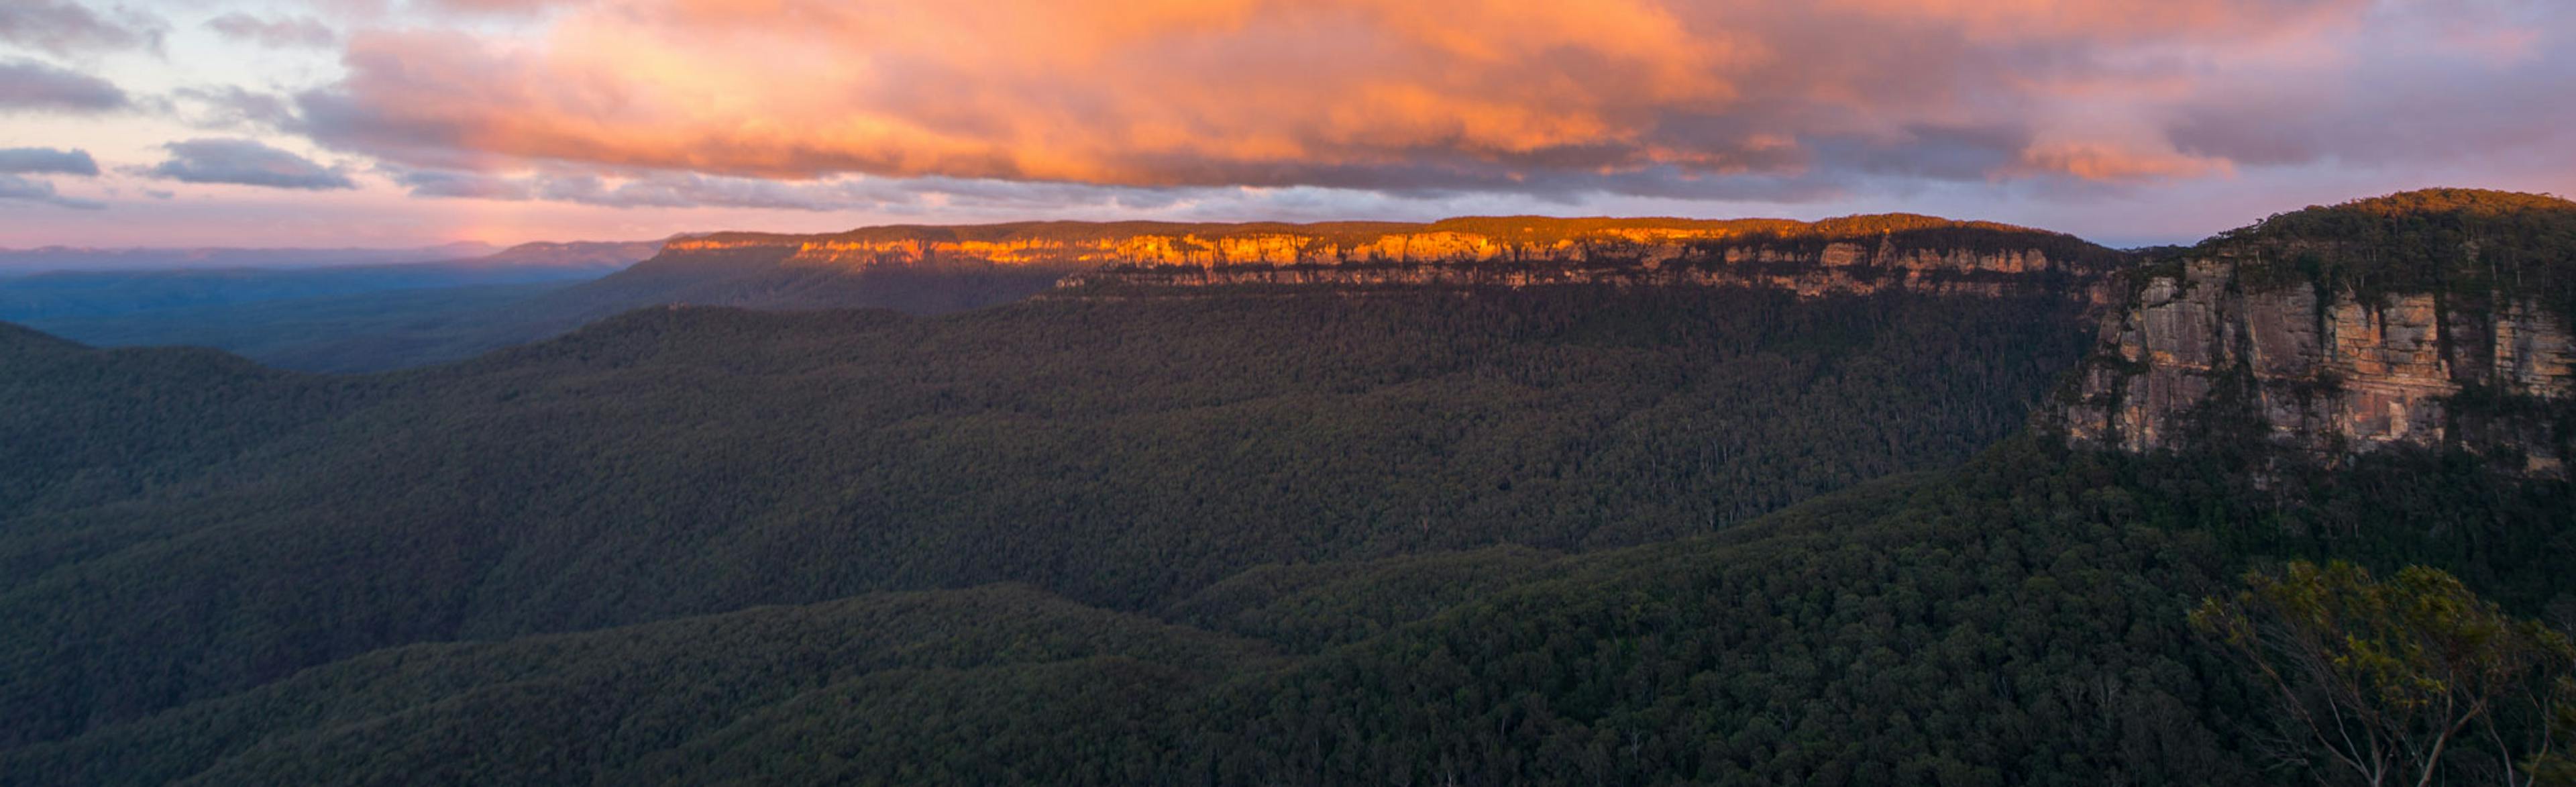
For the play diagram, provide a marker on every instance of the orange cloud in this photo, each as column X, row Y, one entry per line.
column 1644, row 96
column 2108, row 163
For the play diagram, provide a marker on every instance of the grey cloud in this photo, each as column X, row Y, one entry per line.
column 1938, row 152
column 2446, row 82
column 70, row 28
column 245, row 162
column 33, row 85
column 233, row 107
column 46, row 161
column 459, row 185
column 668, row 189
column 280, row 33
column 2392, row 112
column 13, row 187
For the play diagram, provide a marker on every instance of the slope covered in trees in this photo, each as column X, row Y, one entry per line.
column 2020, row 620
column 2466, row 241
column 1123, row 454
column 1454, row 535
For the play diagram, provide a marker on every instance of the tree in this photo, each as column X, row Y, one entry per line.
column 2390, row 681
column 2556, row 765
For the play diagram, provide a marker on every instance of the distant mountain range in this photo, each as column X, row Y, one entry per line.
column 270, row 312
column 79, row 258
column 942, row 269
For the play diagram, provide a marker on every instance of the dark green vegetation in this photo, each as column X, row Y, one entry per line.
column 677, row 462
column 2020, row 620
column 2464, row 242
column 1410, row 536
column 2409, row 680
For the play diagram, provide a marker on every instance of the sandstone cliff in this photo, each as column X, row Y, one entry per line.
column 1856, row 255
column 2288, row 336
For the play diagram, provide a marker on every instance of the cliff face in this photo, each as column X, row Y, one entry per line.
column 1840, row 267
column 2328, row 374
column 1857, row 256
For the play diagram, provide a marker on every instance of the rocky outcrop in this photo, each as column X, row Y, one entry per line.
column 1839, row 268
column 2326, row 374
column 1857, row 256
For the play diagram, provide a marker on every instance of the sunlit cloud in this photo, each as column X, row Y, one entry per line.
column 2149, row 118
column 1717, row 100
column 1621, row 96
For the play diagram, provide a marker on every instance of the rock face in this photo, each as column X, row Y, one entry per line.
column 2329, row 374
column 1857, row 256
column 1841, row 267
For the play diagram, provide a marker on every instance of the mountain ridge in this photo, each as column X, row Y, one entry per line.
column 1452, row 240
column 2435, row 319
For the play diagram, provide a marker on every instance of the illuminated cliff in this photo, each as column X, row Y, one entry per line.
column 1854, row 255
column 2348, row 330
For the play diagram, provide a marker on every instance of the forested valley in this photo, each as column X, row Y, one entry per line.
column 1426, row 535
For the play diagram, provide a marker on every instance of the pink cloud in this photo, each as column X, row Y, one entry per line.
column 1642, row 97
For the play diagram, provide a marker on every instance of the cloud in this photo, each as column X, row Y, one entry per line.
column 2113, row 164
column 2478, row 80
column 460, row 185
column 672, row 189
column 281, row 33
column 232, row 107
column 32, row 85
column 1684, row 99
column 46, row 161
column 69, row 28
column 245, row 162
column 1630, row 96
column 22, row 189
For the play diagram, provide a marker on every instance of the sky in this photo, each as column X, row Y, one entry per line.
column 335, row 123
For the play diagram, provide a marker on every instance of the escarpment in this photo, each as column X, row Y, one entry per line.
column 1855, row 255
column 2448, row 331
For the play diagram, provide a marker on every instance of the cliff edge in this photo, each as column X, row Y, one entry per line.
column 2432, row 319
column 1858, row 254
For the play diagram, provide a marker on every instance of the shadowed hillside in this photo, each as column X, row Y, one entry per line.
column 1206, row 529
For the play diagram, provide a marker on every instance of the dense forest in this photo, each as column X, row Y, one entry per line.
column 1249, row 535
column 212, row 526
column 2462, row 242
column 2020, row 620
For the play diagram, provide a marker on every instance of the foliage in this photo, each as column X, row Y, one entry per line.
column 2394, row 681
column 2467, row 242
column 681, row 462
column 2555, row 765
column 1953, row 629
column 1567, row 535
column 2012, row 621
